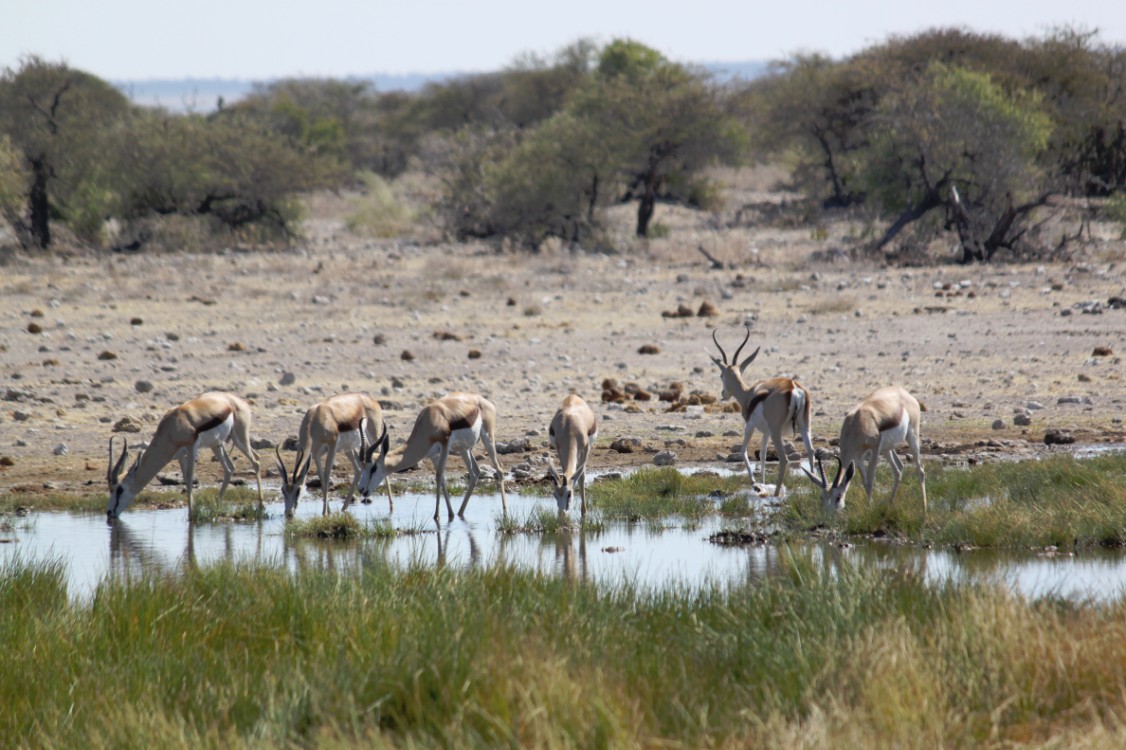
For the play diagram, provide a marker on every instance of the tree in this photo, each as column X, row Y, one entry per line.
column 952, row 139
column 658, row 122
column 58, row 119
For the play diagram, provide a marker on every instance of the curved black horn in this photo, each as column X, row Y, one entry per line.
column 114, row 471
column 384, row 442
column 745, row 340
column 281, row 466
column 717, row 346
column 821, row 470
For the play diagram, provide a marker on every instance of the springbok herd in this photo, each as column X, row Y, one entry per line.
column 353, row 423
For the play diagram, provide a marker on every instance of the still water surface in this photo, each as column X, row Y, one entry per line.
column 676, row 554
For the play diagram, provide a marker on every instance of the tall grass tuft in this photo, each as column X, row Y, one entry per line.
column 659, row 493
column 238, row 504
column 827, row 654
column 382, row 211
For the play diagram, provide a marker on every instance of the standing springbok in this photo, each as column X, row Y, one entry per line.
column 775, row 407
column 885, row 419
column 333, row 424
column 571, row 434
column 452, row 424
column 208, row 421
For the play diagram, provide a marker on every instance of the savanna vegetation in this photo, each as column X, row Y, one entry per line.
column 825, row 654
column 977, row 136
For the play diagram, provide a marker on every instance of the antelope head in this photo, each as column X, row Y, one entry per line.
column 564, row 490
column 731, row 373
column 375, row 467
column 121, row 494
column 832, row 494
column 293, row 486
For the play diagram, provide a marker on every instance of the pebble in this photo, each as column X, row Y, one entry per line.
column 143, row 386
column 61, row 449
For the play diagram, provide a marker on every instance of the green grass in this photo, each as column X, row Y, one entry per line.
column 342, row 526
column 1056, row 501
column 253, row 656
column 659, row 493
column 238, row 504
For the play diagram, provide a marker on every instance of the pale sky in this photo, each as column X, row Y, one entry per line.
column 263, row 39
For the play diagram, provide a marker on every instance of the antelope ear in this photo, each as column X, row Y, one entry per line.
column 299, row 474
column 749, row 359
column 715, row 359
column 384, row 443
column 553, row 475
column 812, row 478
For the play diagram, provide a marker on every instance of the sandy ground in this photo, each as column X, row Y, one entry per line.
column 338, row 312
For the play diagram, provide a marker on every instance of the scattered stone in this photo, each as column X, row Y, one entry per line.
column 446, row 336
column 320, row 299
column 21, row 416
column 7, row 461
column 261, row 444
column 1116, row 303
column 707, row 310
column 406, row 356
column 61, row 449
column 1074, row 400
column 1022, row 420
column 136, row 321
column 397, row 382
column 1084, row 378
column 510, row 302
column 649, row 349
column 143, row 386
column 704, row 434
column 475, row 354
column 999, row 424
column 1058, row 437
column 626, row 445
column 127, row 424
column 1102, row 351
column 107, row 355
column 34, row 328
column 172, row 336
column 379, row 339
column 290, row 443
column 664, row 458
column 236, row 346
column 519, row 445
column 37, row 313
column 287, row 378
column 1034, row 406
column 682, row 311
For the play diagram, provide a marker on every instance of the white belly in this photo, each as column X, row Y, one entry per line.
column 348, row 441
column 465, row 439
column 217, row 435
column 895, row 436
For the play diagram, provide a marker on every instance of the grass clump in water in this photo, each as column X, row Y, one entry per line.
column 658, row 493
column 238, row 504
column 342, row 526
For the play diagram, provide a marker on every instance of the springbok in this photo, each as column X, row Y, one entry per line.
column 571, row 434
column 207, row 421
column 884, row 420
column 333, row 424
column 452, row 424
column 775, row 407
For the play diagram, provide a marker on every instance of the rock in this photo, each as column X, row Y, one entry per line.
column 1084, row 378
column 290, row 443
column 136, row 322
column 107, row 355
column 142, row 386
column 649, row 349
column 262, row 444
column 1102, row 351
column 236, row 346
column 21, row 416
column 707, row 310
column 446, row 336
column 7, row 461
column 1058, row 437
column 664, row 458
column 474, row 354
column 127, row 424
column 1034, row 406
column 379, row 339
column 397, row 382
column 287, row 378
column 626, row 445
column 61, row 449
column 1022, row 420
column 519, row 445
column 320, row 299
column 406, row 356
column 682, row 311
column 999, row 424
column 34, row 328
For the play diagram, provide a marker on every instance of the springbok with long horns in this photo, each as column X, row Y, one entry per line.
column 571, row 434
column 207, row 421
column 884, row 420
column 452, row 424
column 775, row 407
column 334, row 424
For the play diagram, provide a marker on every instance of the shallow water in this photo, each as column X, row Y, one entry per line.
column 640, row 554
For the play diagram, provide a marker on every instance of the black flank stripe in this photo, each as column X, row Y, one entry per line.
column 217, row 420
